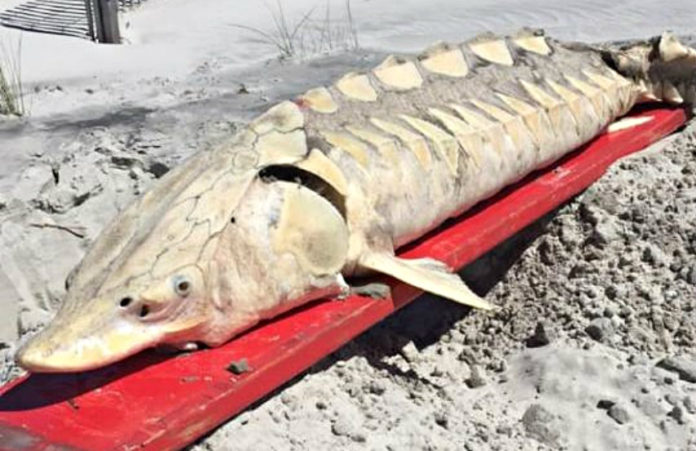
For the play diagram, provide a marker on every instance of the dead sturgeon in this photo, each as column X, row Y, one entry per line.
column 328, row 185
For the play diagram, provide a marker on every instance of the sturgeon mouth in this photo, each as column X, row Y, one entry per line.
column 83, row 355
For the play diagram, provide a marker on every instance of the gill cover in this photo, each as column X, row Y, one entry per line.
column 313, row 230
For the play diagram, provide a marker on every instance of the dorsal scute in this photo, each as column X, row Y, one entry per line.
column 444, row 59
column 491, row 48
column 280, row 135
column 532, row 40
column 318, row 99
column 283, row 117
column 398, row 73
column 356, row 86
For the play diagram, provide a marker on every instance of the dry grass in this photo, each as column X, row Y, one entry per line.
column 311, row 34
column 11, row 94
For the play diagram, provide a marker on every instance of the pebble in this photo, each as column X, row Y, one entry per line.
column 605, row 404
column 654, row 256
column 477, row 378
column 441, row 419
column 504, row 429
column 678, row 414
column 289, row 400
column 377, row 387
column 343, row 426
column 691, row 275
column 540, row 424
column 671, row 399
column 600, row 329
column 618, row 414
column 605, row 232
column 683, row 366
column 690, row 404
column 238, row 366
column 651, row 406
column 410, row 352
column 543, row 335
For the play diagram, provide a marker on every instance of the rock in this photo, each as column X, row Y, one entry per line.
column 289, row 400
column 691, row 275
column 671, row 399
column 504, row 429
column 690, row 404
column 477, row 378
column 125, row 161
column 541, row 425
column 605, row 404
column 410, row 352
column 618, row 414
column 600, row 329
column 158, row 169
column 654, row 256
column 650, row 406
column 543, row 335
column 441, row 419
column 344, row 426
column 684, row 367
column 238, row 366
column 377, row 387
column 677, row 413
column 605, row 231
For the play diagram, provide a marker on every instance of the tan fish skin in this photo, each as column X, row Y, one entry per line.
column 330, row 184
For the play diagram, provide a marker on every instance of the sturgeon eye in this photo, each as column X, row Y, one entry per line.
column 125, row 302
column 182, row 286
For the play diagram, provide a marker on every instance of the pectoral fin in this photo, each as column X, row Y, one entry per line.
column 427, row 274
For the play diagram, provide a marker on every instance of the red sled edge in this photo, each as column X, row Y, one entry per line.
column 154, row 402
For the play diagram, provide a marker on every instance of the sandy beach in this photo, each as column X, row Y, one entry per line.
column 598, row 299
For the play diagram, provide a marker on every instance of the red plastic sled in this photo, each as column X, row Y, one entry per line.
column 150, row 401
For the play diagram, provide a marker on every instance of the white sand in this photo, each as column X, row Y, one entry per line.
column 105, row 119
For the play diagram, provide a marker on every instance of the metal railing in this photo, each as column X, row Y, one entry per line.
column 91, row 19
column 64, row 17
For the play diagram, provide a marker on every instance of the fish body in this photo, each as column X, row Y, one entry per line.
column 329, row 184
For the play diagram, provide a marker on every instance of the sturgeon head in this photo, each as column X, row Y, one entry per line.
column 218, row 244
column 663, row 69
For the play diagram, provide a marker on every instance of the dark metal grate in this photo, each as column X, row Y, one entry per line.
column 64, row 17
